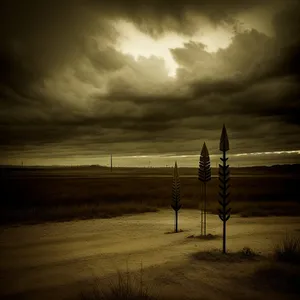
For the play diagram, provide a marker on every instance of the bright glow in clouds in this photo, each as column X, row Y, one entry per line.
column 269, row 153
column 162, row 160
column 136, row 43
column 215, row 155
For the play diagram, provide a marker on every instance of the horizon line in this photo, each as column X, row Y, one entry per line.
column 143, row 167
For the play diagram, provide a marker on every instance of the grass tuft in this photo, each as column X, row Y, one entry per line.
column 217, row 255
column 126, row 287
column 207, row 237
column 248, row 252
column 288, row 250
column 171, row 232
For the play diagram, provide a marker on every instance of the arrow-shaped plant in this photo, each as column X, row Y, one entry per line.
column 204, row 175
column 224, row 212
column 176, row 195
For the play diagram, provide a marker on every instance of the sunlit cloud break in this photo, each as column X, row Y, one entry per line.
column 269, row 153
column 140, row 80
column 213, row 155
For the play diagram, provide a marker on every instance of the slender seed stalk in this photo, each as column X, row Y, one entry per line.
column 176, row 205
column 204, row 175
column 224, row 212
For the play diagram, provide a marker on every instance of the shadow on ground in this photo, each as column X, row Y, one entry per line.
column 207, row 237
column 173, row 232
column 280, row 277
column 217, row 255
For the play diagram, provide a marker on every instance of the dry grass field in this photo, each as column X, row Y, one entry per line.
column 62, row 194
column 42, row 258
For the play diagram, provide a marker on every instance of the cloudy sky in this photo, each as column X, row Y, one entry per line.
column 148, row 80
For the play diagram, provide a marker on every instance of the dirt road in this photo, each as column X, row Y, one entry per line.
column 57, row 259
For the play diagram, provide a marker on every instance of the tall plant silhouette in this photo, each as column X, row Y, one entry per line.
column 204, row 175
column 224, row 212
column 176, row 205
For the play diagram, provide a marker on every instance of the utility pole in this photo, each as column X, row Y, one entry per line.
column 110, row 162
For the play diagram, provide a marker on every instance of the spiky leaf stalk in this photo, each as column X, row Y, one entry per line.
column 204, row 175
column 224, row 212
column 176, row 205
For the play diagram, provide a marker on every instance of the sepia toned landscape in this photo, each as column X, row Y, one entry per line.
column 62, row 194
column 66, row 230
column 149, row 149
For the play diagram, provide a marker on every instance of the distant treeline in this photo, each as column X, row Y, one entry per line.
column 290, row 170
column 36, row 168
column 273, row 167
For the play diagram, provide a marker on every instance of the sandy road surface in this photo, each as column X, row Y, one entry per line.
column 55, row 257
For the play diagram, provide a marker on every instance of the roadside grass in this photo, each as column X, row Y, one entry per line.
column 281, row 272
column 84, row 211
column 127, row 286
column 278, row 272
column 247, row 209
column 63, row 198
column 262, row 273
column 64, row 213
column 288, row 250
column 216, row 255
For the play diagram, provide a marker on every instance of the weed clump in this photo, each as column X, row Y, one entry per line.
column 288, row 250
column 126, row 287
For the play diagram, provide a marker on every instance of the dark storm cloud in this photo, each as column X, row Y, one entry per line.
column 157, row 16
column 39, row 38
column 267, row 98
column 55, row 54
column 286, row 60
column 103, row 60
column 190, row 54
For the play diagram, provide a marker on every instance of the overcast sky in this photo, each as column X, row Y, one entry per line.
column 82, row 79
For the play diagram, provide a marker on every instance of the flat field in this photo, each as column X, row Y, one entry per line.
column 62, row 194
column 123, row 218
